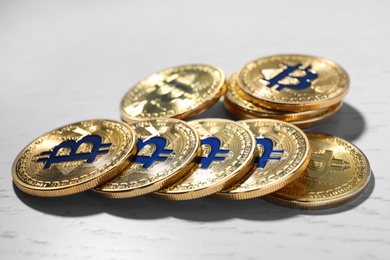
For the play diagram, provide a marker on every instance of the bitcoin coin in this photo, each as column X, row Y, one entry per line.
column 293, row 82
column 283, row 151
column 228, row 153
column 337, row 173
column 166, row 151
column 178, row 92
column 74, row 158
column 236, row 104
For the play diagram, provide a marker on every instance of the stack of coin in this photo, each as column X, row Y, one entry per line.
column 302, row 90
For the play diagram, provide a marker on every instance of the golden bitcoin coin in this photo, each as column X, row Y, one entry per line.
column 178, row 92
column 236, row 104
column 228, row 153
column 337, row 173
column 74, row 158
column 293, row 82
column 166, row 151
column 283, row 151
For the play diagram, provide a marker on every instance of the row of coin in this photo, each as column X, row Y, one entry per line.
column 299, row 89
column 180, row 161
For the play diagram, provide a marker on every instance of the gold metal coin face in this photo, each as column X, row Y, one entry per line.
column 242, row 108
column 228, row 153
column 74, row 158
column 294, row 82
column 283, row 151
column 178, row 92
column 166, row 150
column 337, row 172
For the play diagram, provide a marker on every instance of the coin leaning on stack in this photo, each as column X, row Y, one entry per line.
column 177, row 160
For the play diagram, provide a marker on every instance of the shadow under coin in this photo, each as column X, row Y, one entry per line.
column 206, row 209
column 216, row 111
column 348, row 124
column 81, row 204
column 150, row 207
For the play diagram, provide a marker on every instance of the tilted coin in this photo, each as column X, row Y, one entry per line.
column 178, row 92
column 228, row 153
column 337, row 173
column 242, row 108
column 282, row 157
column 293, row 82
column 166, row 151
column 74, row 158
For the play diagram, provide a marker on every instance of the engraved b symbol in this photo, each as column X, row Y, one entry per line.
column 214, row 144
column 303, row 81
column 159, row 143
column 323, row 164
column 267, row 145
column 95, row 140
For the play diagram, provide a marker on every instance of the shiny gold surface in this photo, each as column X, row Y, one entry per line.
column 337, row 172
column 236, row 153
column 73, row 162
column 242, row 108
column 277, row 164
column 178, row 92
column 327, row 85
column 168, row 162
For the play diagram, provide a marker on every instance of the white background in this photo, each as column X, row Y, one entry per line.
column 66, row 61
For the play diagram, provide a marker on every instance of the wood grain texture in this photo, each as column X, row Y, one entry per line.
column 66, row 61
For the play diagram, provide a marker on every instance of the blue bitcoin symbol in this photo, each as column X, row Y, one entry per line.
column 268, row 145
column 304, row 81
column 95, row 140
column 160, row 143
column 214, row 144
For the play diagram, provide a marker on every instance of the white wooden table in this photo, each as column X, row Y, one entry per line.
column 66, row 61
